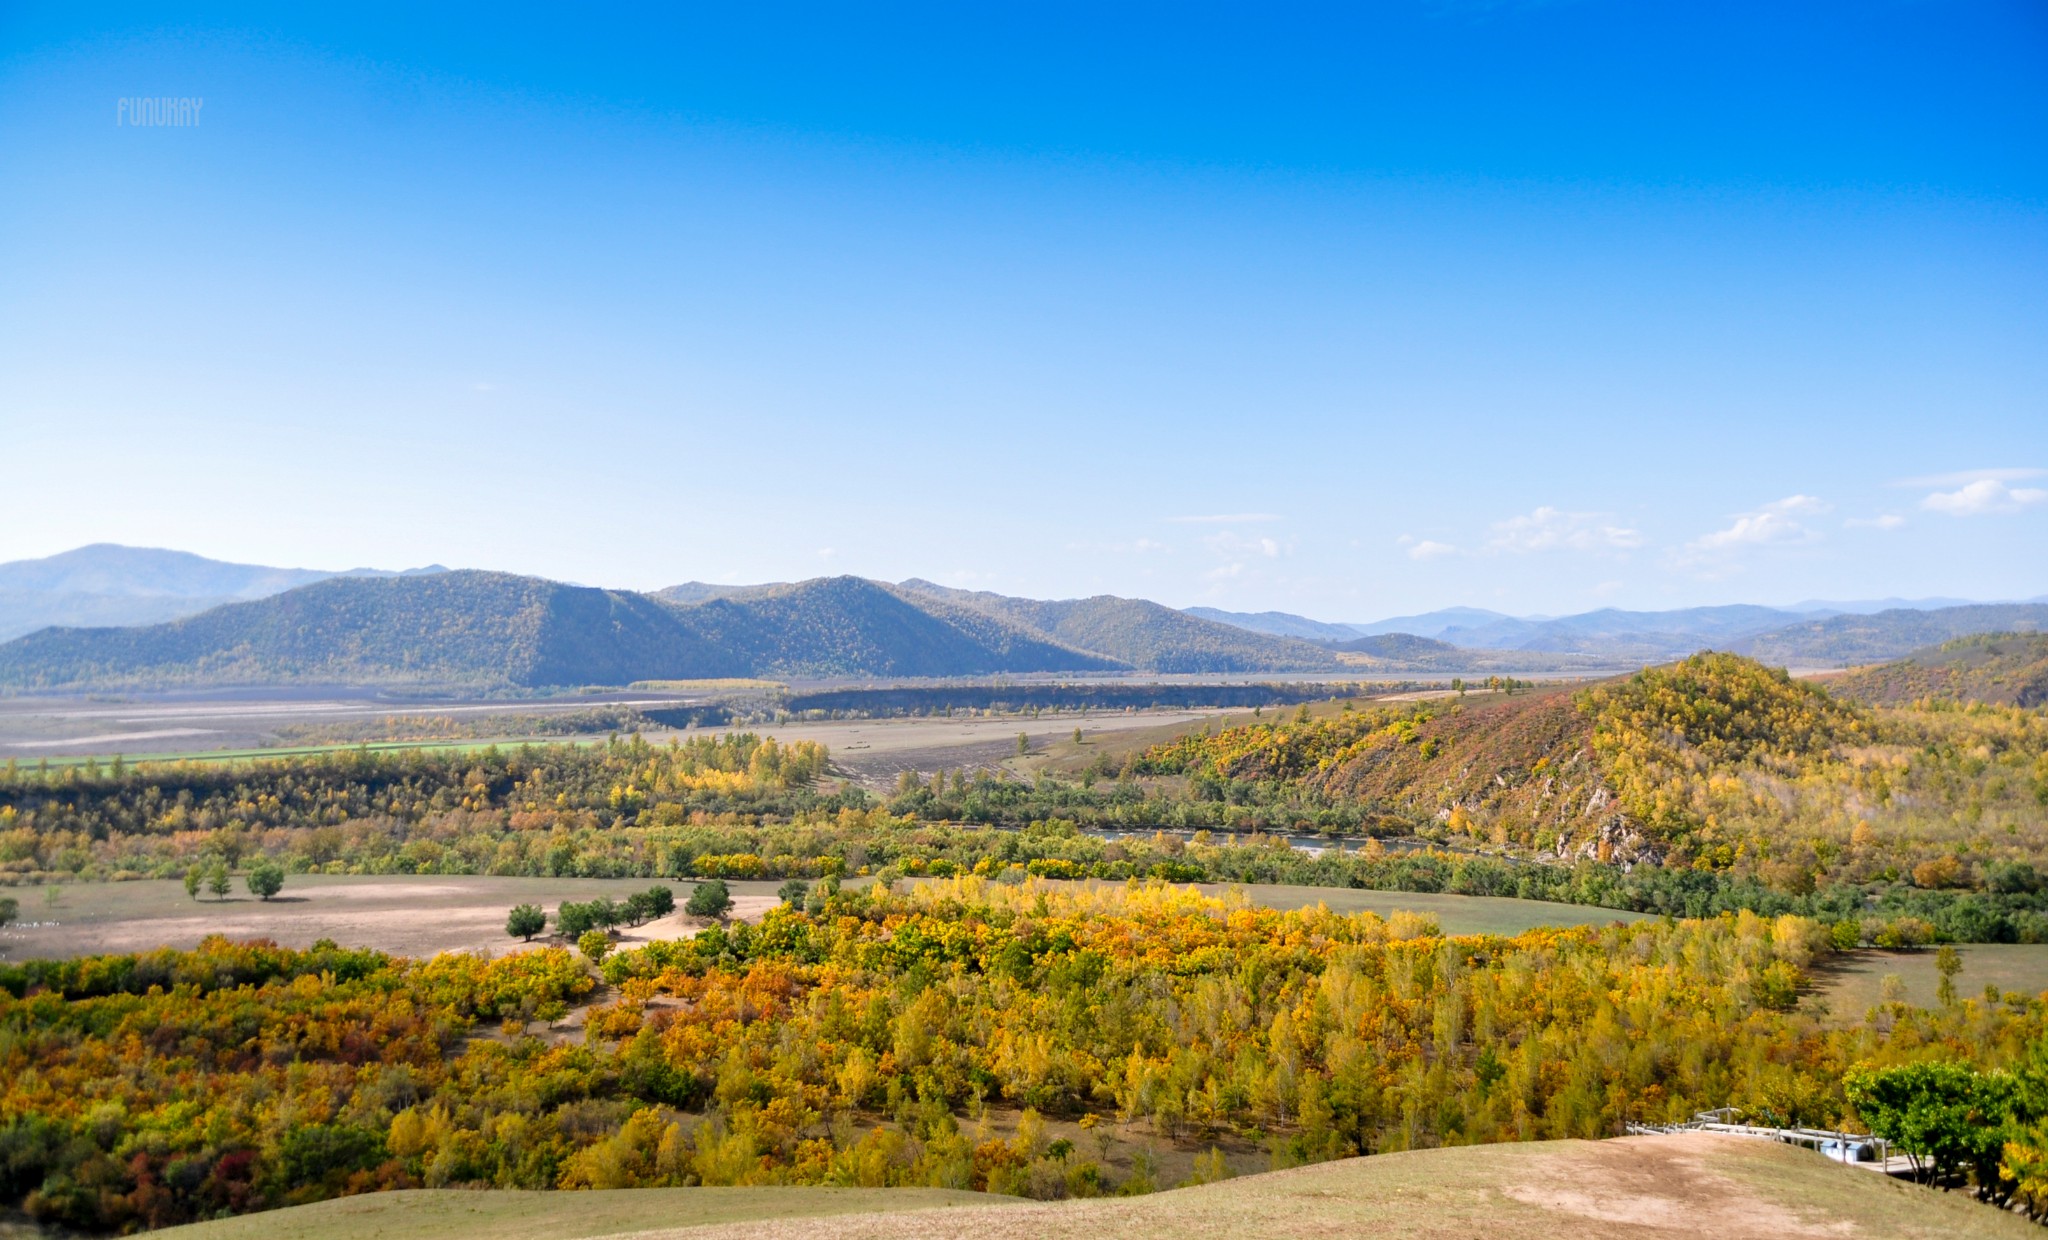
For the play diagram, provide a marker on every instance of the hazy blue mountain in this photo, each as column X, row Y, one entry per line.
column 1847, row 639
column 699, row 591
column 108, row 584
column 1428, row 623
column 471, row 628
column 1141, row 634
column 1278, row 624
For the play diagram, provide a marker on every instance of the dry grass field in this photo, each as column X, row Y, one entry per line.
column 1852, row 983
column 404, row 914
column 1681, row 1186
column 420, row 915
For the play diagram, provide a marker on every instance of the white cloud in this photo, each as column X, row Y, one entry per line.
column 1227, row 518
column 1774, row 523
column 1427, row 550
column 1883, row 521
column 1963, row 477
column 827, row 553
column 1551, row 529
column 1146, row 544
column 1982, row 497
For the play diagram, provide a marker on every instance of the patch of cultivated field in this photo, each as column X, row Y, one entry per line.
column 1853, row 982
column 404, row 914
column 1729, row 1188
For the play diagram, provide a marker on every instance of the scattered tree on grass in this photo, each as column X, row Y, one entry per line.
column 595, row 944
column 525, row 921
column 10, row 908
column 266, row 879
column 218, row 881
column 711, row 899
column 193, row 877
column 794, row 891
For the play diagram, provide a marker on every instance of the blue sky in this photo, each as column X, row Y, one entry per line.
column 1539, row 307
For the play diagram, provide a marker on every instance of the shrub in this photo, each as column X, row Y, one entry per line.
column 711, row 899
column 525, row 921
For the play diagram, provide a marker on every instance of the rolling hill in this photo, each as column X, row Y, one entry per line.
column 2007, row 669
column 1678, row 1186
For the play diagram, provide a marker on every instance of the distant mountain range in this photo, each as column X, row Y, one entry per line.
column 1811, row 633
column 481, row 629
column 105, row 584
column 486, row 629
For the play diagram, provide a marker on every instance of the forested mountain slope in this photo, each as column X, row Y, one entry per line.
column 847, row 626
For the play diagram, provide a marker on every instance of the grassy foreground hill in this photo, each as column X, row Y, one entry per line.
column 1687, row 1186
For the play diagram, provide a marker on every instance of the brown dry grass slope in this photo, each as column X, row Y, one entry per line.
column 1728, row 1188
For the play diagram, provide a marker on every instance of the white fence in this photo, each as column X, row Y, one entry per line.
column 1844, row 1147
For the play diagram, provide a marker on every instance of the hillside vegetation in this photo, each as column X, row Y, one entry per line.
column 859, row 1039
column 1841, row 640
column 1716, row 762
column 2007, row 669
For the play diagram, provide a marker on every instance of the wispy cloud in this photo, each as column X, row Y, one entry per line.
column 1984, row 497
column 1552, row 529
column 1963, row 477
column 1425, row 549
column 1236, row 546
column 1227, row 518
column 1883, row 521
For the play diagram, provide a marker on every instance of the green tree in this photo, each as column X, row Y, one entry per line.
column 193, row 877
column 794, row 891
column 525, row 921
column 218, row 881
column 1949, row 1114
column 10, row 908
column 710, row 899
column 1023, row 744
column 595, row 944
column 1948, row 962
column 266, row 879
